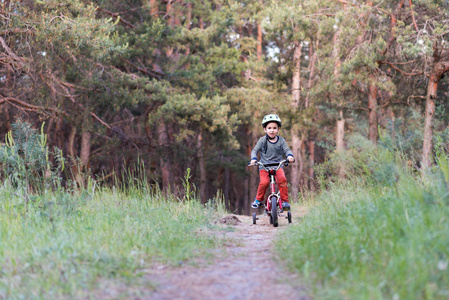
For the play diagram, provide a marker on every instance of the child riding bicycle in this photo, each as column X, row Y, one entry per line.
column 272, row 148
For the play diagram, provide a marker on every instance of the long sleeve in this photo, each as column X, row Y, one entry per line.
column 257, row 148
column 286, row 149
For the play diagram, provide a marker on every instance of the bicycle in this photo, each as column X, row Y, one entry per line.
column 273, row 203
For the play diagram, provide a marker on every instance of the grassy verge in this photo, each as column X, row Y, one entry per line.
column 376, row 237
column 67, row 243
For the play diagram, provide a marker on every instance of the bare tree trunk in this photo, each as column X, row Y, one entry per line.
column 339, row 140
column 296, row 78
column 311, row 164
column 85, row 148
column 254, row 172
column 71, row 145
column 372, row 113
column 202, row 167
column 164, row 158
column 302, row 162
column 340, row 133
column 296, row 141
column 259, row 40
column 428, row 121
column 312, row 59
column 247, row 196
column 296, row 168
column 200, row 23
column 438, row 69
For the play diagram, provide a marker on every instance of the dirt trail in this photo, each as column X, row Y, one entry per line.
column 246, row 269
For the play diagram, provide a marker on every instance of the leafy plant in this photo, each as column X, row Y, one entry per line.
column 26, row 159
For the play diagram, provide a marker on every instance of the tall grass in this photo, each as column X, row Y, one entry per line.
column 68, row 242
column 380, row 234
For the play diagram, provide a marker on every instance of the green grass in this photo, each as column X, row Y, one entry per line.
column 370, row 238
column 66, row 244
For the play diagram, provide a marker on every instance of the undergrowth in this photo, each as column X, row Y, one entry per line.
column 67, row 243
column 379, row 234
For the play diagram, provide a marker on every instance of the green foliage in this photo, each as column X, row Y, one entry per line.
column 379, row 235
column 69, row 245
column 26, row 158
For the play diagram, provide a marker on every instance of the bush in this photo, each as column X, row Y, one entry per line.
column 25, row 159
column 381, row 234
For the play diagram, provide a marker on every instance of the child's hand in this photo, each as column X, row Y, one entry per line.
column 291, row 159
column 253, row 161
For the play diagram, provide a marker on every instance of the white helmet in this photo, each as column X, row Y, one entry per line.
column 271, row 118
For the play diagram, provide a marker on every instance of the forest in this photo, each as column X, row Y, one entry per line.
column 176, row 86
column 127, row 126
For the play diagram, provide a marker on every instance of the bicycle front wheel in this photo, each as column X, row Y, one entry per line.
column 274, row 211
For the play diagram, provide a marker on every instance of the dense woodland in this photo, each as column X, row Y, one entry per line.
column 184, row 84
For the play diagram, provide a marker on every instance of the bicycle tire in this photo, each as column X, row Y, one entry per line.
column 274, row 211
column 289, row 217
column 254, row 218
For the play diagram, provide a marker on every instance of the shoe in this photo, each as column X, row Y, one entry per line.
column 285, row 206
column 256, row 204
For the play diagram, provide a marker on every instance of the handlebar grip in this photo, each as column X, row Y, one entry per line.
column 286, row 163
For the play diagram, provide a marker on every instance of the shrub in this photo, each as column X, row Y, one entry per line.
column 26, row 159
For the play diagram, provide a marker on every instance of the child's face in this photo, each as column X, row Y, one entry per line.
column 272, row 130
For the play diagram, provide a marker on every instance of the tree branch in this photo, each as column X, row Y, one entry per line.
column 393, row 24
column 402, row 72
column 117, row 15
column 10, row 52
column 145, row 71
column 29, row 107
column 413, row 15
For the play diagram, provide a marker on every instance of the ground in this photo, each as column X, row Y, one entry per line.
column 246, row 269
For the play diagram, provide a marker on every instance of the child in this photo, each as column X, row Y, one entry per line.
column 272, row 148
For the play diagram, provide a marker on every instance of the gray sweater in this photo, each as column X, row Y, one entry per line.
column 271, row 152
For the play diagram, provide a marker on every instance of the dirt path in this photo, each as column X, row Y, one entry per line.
column 246, row 269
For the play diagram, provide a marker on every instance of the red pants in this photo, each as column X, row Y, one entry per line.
column 265, row 182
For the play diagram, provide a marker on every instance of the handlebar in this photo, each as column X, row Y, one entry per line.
column 265, row 166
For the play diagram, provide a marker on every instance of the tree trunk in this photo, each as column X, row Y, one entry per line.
column 296, row 78
column 201, row 166
column 85, row 148
column 189, row 15
column 259, row 40
column 312, row 59
column 372, row 112
column 438, row 69
column 339, row 141
column 311, row 164
column 227, row 188
column 246, row 74
column 71, row 145
column 296, row 141
column 254, row 172
column 154, row 9
column 169, row 13
column 164, row 157
column 340, row 133
column 296, row 168
column 302, row 163
column 428, row 121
